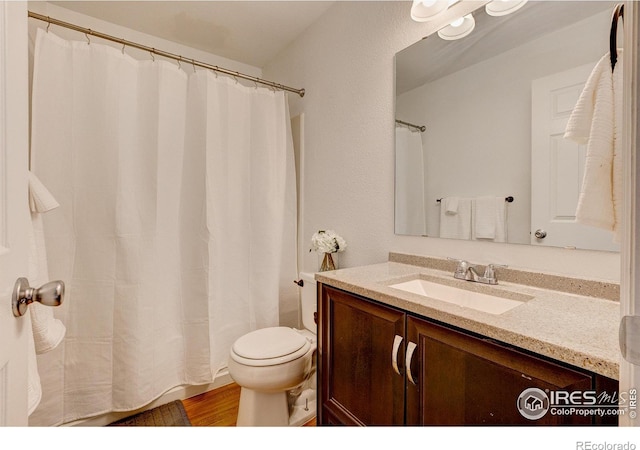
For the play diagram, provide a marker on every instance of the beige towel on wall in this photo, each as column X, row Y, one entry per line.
column 596, row 121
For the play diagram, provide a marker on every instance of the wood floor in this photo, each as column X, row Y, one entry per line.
column 217, row 408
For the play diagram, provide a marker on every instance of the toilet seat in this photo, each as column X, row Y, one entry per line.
column 269, row 347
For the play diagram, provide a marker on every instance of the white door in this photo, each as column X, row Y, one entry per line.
column 557, row 166
column 14, row 214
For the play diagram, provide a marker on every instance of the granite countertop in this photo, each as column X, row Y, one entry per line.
column 576, row 329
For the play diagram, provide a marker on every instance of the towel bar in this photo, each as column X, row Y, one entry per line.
column 508, row 199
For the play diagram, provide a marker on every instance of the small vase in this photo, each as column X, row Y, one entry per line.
column 328, row 263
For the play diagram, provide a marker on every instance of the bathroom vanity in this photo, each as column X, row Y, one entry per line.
column 389, row 356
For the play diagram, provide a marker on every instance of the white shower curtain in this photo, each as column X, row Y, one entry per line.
column 175, row 192
column 410, row 209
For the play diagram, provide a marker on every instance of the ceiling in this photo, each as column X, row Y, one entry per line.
column 251, row 32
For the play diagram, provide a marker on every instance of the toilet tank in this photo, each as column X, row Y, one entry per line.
column 308, row 301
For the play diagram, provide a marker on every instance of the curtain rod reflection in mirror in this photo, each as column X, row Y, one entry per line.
column 420, row 128
column 193, row 62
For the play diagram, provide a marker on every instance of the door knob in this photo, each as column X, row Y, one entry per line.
column 49, row 294
column 540, row 234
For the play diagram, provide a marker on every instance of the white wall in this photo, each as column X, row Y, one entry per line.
column 345, row 61
column 479, row 120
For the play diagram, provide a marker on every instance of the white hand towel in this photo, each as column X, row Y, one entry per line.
column 456, row 226
column 48, row 331
column 489, row 219
column 40, row 199
column 484, row 218
column 450, row 205
column 595, row 121
column 501, row 220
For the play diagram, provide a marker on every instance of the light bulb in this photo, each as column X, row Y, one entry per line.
column 458, row 29
column 425, row 10
column 456, row 23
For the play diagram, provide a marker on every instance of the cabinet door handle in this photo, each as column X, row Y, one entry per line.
column 394, row 354
column 410, row 349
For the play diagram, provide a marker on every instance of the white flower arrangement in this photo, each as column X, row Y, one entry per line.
column 327, row 242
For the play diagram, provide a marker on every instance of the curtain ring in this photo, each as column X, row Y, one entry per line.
column 48, row 23
column 235, row 77
column 123, row 45
column 193, row 63
column 87, row 36
column 153, row 58
column 215, row 71
column 179, row 65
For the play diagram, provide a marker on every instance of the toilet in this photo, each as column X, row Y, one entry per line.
column 275, row 368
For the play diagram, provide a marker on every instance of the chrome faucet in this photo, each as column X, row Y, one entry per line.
column 465, row 271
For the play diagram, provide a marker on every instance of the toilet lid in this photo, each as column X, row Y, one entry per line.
column 268, row 343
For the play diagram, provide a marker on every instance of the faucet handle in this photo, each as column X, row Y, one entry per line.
column 462, row 267
column 489, row 271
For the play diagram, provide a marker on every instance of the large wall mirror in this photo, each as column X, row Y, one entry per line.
column 493, row 106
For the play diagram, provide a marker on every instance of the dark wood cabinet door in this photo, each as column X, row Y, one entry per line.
column 465, row 380
column 359, row 385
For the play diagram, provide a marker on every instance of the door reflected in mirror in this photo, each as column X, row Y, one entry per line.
column 494, row 106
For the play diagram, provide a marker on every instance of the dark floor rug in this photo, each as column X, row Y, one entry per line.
column 169, row 415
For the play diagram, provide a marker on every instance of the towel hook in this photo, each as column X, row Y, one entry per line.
column 618, row 13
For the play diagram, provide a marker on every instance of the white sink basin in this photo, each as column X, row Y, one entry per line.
column 461, row 297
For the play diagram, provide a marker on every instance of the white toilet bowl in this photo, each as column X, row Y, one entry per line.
column 267, row 363
column 270, row 362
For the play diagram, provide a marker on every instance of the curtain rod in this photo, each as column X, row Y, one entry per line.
column 422, row 128
column 193, row 62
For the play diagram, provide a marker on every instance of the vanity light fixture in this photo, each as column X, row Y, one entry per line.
column 498, row 8
column 458, row 29
column 425, row 10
